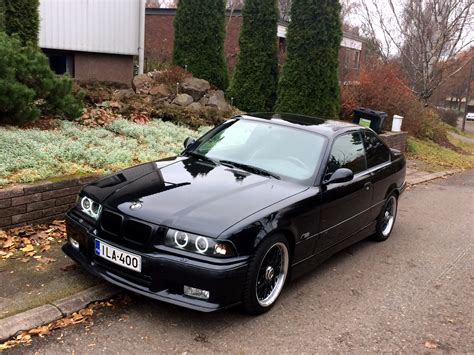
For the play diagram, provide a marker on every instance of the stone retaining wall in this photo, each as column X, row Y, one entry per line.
column 396, row 140
column 38, row 203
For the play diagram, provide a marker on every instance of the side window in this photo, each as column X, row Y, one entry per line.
column 347, row 152
column 377, row 152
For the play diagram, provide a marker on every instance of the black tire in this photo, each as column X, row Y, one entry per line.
column 265, row 260
column 386, row 219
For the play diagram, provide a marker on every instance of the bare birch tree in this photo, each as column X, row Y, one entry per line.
column 424, row 35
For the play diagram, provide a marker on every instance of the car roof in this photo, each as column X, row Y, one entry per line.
column 328, row 128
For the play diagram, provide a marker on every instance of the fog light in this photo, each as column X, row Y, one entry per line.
column 196, row 292
column 74, row 243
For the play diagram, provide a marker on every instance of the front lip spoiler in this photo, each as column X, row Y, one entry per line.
column 164, row 295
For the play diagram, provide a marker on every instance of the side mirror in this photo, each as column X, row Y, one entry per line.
column 340, row 175
column 188, row 142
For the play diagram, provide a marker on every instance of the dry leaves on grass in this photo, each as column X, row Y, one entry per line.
column 29, row 241
column 97, row 117
column 78, row 317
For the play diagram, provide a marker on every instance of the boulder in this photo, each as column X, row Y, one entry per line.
column 195, row 87
column 195, row 106
column 204, row 100
column 160, row 90
column 217, row 100
column 141, row 83
column 183, row 100
column 120, row 95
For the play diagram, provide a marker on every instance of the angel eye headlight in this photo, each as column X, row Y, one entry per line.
column 90, row 207
column 202, row 244
column 181, row 239
column 199, row 244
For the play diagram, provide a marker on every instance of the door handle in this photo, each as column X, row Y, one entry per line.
column 367, row 185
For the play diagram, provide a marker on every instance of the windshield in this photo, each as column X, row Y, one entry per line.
column 265, row 148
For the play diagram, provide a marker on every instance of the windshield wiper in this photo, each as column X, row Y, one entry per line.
column 250, row 168
column 202, row 157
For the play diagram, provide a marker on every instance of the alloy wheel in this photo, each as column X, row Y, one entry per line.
column 389, row 216
column 272, row 274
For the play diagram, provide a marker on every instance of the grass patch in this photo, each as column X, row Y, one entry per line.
column 28, row 155
column 439, row 156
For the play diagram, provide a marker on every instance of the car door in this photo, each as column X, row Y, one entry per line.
column 378, row 163
column 344, row 205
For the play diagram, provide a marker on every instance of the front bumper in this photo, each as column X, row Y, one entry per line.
column 163, row 275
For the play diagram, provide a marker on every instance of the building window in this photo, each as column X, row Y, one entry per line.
column 356, row 59
column 61, row 63
column 282, row 44
column 351, row 58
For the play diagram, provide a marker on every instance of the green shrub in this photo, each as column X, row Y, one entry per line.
column 28, row 155
column 199, row 40
column 22, row 19
column 309, row 83
column 412, row 146
column 29, row 88
column 448, row 116
column 255, row 80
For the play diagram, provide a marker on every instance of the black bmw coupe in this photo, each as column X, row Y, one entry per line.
column 255, row 201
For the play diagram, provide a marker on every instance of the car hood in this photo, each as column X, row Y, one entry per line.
column 189, row 194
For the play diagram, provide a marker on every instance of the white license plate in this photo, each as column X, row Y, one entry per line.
column 118, row 256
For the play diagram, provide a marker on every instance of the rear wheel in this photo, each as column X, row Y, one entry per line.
column 386, row 219
column 267, row 274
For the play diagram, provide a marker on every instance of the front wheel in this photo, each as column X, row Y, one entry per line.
column 267, row 274
column 386, row 219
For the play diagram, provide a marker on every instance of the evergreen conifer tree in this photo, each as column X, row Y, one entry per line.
column 2, row 15
column 255, row 79
column 199, row 40
column 309, row 83
column 22, row 18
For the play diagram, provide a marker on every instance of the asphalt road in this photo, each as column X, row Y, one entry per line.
column 417, row 287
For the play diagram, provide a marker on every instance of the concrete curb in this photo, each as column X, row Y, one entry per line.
column 419, row 178
column 50, row 312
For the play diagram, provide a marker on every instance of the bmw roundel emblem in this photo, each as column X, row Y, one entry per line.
column 136, row 205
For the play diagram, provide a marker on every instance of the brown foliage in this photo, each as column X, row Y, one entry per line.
column 383, row 87
column 170, row 75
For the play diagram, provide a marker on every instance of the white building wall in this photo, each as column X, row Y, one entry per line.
column 102, row 26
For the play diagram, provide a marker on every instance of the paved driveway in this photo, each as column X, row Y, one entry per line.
column 413, row 292
column 469, row 126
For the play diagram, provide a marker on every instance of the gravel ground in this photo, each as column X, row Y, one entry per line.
column 412, row 294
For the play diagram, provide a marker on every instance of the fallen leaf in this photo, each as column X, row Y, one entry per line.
column 430, row 344
column 86, row 312
column 40, row 267
column 9, row 243
column 45, row 260
column 40, row 330
column 24, row 336
column 45, row 248
column 28, row 248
